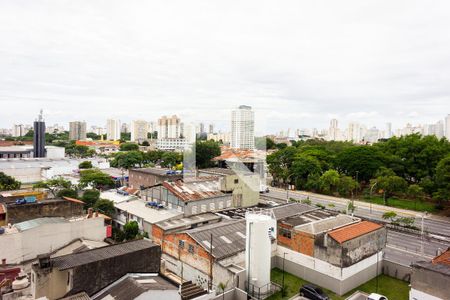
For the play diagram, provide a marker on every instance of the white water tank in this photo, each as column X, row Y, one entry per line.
column 261, row 231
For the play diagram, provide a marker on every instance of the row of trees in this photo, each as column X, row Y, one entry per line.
column 411, row 165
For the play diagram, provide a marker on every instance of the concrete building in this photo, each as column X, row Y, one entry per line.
column 139, row 130
column 19, row 130
column 31, row 170
column 243, row 128
column 39, row 137
column 431, row 280
column 338, row 252
column 27, row 151
column 77, row 130
column 91, row 271
column 333, row 131
column 169, row 127
column 24, row 241
column 171, row 144
column 222, row 137
column 148, row 177
column 64, row 207
column 113, row 129
column 447, row 127
column 244, row 186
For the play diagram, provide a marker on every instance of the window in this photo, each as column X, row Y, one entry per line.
column 194, row 209
column 284, row 232
column 181, row 244
column 228, row 203
column 221, row 205
column 203, row 207
column 191, row 248
column 212, row 206
column 68, row 278
column 236, row 181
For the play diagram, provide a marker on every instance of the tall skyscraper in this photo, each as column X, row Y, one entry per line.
column 39, row 137
column 354, row 132
column 211, row 129
column 77, row 130
column 139, row 130
column 170, row 128
column 18, row 130
column 243, row 128
column 333, row 132
column 113, row 129
column 388, row 133
column 447, row 127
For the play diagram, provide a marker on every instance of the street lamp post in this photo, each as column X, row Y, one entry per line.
column 370, row 196
column 287, row 188
column 421, row 234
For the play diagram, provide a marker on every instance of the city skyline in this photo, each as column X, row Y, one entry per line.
column 385, row 67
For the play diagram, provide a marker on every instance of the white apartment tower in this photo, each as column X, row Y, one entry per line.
column 113, row 129
column 170, row 128
column 333, row 132
column 77, row 130
column 18, row 130
column 243, row 128
column 447, row 127
column 139, row 130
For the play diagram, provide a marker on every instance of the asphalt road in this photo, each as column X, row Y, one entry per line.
column 440, row 228
column 401, row 247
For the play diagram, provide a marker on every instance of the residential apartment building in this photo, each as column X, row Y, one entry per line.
column 139, row 130
column 243, row 128
column 170, row 127
column 113, row 129
column 19, row 130
column 77, row 130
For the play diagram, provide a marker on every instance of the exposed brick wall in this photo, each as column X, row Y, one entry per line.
column 303, row 243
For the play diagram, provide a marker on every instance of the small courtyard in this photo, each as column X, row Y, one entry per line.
column 393, row 288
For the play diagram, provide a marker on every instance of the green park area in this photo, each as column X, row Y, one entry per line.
column 391, row 287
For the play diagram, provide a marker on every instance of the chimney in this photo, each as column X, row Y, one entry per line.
column 90, row 212
column 4, row 261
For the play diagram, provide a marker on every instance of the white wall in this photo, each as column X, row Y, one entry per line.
column 20, row 246
column 418, row 295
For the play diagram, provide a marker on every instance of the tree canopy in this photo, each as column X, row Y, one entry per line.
column 8, row 183
column 204, row 152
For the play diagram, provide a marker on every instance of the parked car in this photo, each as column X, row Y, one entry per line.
column 375, row 296
column 313, row 292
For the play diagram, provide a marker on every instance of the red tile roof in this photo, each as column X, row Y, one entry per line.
column 444, row 258
column 352, row 231
column 230, row 154
column 15, row 143
column 195, row 188
column 73, row 200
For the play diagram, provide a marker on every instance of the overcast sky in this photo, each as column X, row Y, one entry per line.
column 298, row 63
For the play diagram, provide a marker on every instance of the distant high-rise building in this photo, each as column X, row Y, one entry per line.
column 113, row 129
column 333, row 132
column 447, row 127
column 39, row 137
column 169, row 128
column 243, row 128
column 388, row 132
column 202, row 128
column 77, row 130
column 139, row 130
column 354, row 132
column 211, row 128
column 124, row 128
column 18, row 130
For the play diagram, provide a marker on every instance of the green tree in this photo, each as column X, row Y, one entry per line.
column 145, row 143
column 95, row 178
column 329, row 181
column 280, row 162
column 264, row 143
column 205, row 151
column 104, row 206
column 170, row 159
column 361, row 160
column 131, row 230
column 390, row 216
column 346, row 185
column 415, row 192
column 8, row 183
column 391, row 184
column 302, row 167
column 92, row 135
column 90, row 197
column 128, row 147
column 152, row 156
column 127, row 160
column 79, row 151
column 443, row 180
column 54, row 185
column 85, row 165
column 71, row 193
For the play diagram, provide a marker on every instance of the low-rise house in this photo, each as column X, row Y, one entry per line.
column 24, row 241
column 91, row 271
column 190, row 196
column 148, row 177
column 340, row 252
column 430, row 280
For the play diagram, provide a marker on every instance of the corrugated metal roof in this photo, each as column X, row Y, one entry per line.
column 194, row 189
column 22, row 226
column 291, row 209
column 78, row 259
column 228, row 238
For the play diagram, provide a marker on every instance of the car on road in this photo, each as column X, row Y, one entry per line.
column 313, row 292
column 375, row 296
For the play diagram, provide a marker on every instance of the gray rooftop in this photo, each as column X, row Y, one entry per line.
column 228, row 238
column 131, row 286
column 82, row 258
column 26, row 225
column 78, row 296
column 327, row 224
column 186, row 223
column 436, row 267
column 307, row 217
column 291, row 209
column 156, row 171
column 224, row 171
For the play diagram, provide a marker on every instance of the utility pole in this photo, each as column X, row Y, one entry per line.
column 211, row 263
column 282, row 284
